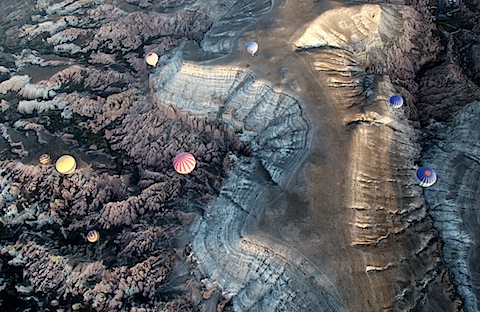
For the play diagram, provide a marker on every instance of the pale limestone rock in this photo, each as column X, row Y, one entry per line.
column 270, row 120
column 351, row 27
column 29, row 32
column 384, row 38
column 27, row 107
column 263, row 275
column 68, row 7
column 4, row 106
column 69, row 48
column 387, row 206
column 14, row 84
column 67, row 35
column 37, row 91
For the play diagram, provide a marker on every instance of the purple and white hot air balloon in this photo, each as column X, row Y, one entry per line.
column 396, row 101
column 252, row 48
column 425, row 176
column 184, row 163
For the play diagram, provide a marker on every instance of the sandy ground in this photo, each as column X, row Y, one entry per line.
column 309, row 215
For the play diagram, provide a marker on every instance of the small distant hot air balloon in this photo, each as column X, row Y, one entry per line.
column 252, row 48
column 66, row 164
column 151, row 59
column 425, row 176
column 184, row 163
column 396, row 101
column 93, row 236
column 44, row 159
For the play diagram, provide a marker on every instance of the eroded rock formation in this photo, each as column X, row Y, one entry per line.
column 453, row 201
column 274, row 217
column 377, row 57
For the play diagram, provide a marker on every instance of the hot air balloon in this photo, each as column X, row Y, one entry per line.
column 44, row 159
column 425, row 176
column 66, row 164
column 151, row 59
column 252, row 48
column 396, row 101
column 184, row 163
column 93, row 236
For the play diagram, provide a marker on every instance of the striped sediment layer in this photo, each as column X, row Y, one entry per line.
column 453, row 201
column 394, row 249
column 235, row 101
column 260, row 271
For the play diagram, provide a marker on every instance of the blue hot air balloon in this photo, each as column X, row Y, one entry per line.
column 396, row 101
column 425, row 176
column 252, row 48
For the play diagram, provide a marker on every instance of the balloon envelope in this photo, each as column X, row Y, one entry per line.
column 44, row 159
column 151, row 59
column 396, row 101
column 425, row 176
column 252, row 47
column 184, row 163
column 93, row 236
column 66, row 164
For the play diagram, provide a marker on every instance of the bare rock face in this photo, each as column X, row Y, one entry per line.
column 385, row 39
column 454, row 200
column 231, row 17
column 262, row 274
column 271, row 121
column 389, row 225
column 445, row 90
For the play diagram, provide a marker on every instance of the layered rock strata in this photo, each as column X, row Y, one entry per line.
column 453, row 201
column 389, row 226
column 270, row 121
column 231, row 18
column 261, row 272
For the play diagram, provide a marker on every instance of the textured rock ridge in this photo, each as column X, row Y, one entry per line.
column 271, row 121
column 263, row 275
column 454, row 200
column 245, row 264
column 386, row 39
column 364, row 54
column 231, row 17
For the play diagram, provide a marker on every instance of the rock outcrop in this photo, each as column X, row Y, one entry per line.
column 364, row 54
column 269, row 120
column 231, row 18
column 247, row 265
column 453, row 201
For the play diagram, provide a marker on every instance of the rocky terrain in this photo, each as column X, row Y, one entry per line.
column 303, row 197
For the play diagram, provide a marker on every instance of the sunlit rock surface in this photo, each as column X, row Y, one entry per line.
column 271, row 121
column 303, row 197
column 360, row 52
column 262, row 276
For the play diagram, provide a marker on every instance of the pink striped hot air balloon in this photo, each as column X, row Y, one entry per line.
column 184, row 163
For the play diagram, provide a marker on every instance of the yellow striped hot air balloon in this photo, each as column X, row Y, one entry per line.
column 93, row 236
column 44, row 159
column 66, row 164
